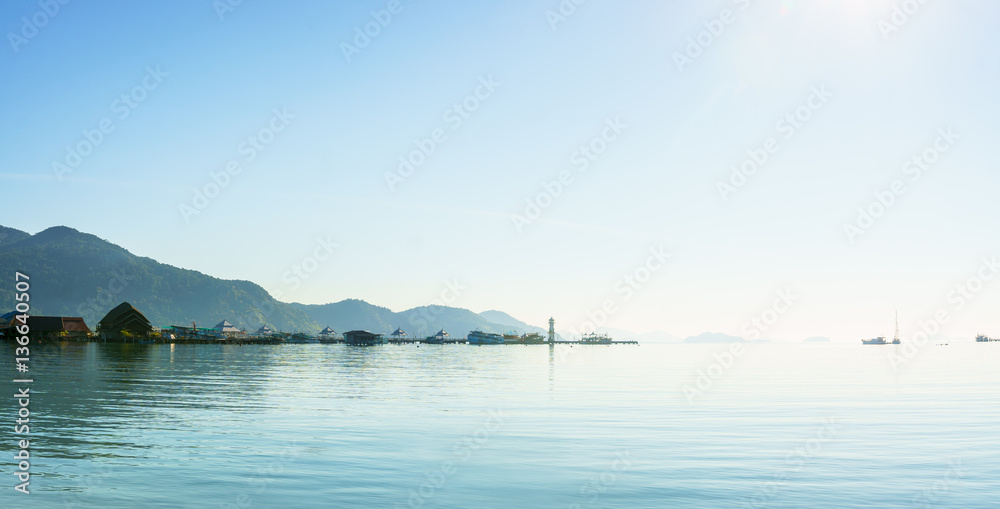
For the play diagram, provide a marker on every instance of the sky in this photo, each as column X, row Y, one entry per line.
column 584, row 162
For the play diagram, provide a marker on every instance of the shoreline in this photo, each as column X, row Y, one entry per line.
column 269, row 341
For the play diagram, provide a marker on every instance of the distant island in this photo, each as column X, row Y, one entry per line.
column 714, row 337
column 817, row 339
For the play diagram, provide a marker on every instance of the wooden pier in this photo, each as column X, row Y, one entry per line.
column 280, row 341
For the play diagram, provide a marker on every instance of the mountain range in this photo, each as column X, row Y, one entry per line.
column 78, row 274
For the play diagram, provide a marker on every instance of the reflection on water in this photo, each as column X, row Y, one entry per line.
column 147, row 425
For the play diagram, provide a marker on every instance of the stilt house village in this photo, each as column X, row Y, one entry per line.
column 126, row 324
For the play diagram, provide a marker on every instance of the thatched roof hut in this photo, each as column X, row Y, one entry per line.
column 123, row 318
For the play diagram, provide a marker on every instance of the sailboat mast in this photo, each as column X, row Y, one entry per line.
column 897, row 326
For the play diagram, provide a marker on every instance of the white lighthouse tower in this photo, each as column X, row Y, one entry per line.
column 552, row 330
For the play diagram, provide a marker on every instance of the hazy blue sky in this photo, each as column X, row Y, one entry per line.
column 201, row 80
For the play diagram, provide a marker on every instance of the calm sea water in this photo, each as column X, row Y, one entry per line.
column 456, row 426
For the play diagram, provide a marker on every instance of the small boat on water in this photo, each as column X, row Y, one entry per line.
column 524, row 339
column 485, row 338
column 594, row 339
column 981, row 338
column 299, row 337
column 881, row 339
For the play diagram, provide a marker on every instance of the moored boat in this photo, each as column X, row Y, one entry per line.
column 485, row 338
column 300, row 337
column 881, row 339
column 594, row 338
column 524, row 339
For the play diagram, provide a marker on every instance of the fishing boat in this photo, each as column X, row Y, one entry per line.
column 300, row 337
column 485, row 338
column 881, row 339
column 594, row 339
column 981, row 338
column 524, row 339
